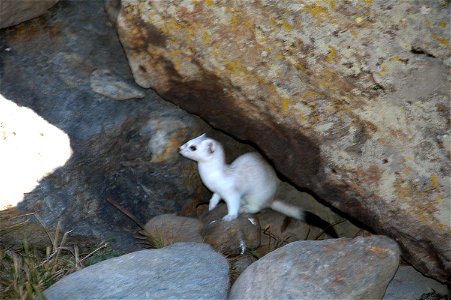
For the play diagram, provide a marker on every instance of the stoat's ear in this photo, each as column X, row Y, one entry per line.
column 211, row 147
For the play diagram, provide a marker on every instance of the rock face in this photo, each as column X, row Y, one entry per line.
column 348, row 99
column 167, row 273
column 15, row 12
column 331, row 269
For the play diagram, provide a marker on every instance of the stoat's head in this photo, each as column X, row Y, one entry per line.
column 200, row 149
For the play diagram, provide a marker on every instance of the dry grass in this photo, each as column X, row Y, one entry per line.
column 27, row 272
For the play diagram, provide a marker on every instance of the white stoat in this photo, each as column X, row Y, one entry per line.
column 247, row 185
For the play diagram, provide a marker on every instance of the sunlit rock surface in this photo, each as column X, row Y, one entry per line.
column 30, row 149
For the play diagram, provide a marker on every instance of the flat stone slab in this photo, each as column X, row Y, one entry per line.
column 179, row 271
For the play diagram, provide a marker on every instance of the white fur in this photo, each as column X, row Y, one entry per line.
column 247, row 185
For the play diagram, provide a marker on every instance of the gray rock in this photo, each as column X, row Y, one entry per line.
column 344, row 268
column 180, row 271
column 167, row 229
column 14, row 12
column 408, row 283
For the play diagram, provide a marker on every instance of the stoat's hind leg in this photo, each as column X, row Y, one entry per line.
column 252, row 207
column 244, row 207
column 244, row 210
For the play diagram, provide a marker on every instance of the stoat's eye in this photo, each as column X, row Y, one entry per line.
column 193, row 148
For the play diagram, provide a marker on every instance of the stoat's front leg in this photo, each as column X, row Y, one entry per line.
column 233, row 206
column 214, row 201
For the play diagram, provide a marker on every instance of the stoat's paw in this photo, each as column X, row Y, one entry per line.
column 229, row 218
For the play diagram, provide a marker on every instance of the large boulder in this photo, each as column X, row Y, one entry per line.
column 347, row 98
column 360, row 268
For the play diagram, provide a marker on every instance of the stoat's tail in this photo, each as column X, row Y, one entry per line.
column 288, row 209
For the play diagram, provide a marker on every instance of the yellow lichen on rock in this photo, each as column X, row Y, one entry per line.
column 435, row 183
column 442, row 40
column 286, row 103
column 332, row 55
column 316, row 10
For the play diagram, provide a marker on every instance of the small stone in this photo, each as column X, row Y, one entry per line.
column 230, row 237
column 105, row 83
column 164, row 230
